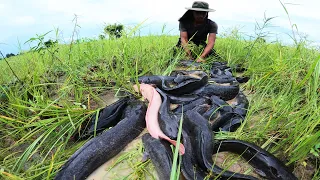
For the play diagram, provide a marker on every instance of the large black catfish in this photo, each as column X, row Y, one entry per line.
column 265, row 164
column 100, row 149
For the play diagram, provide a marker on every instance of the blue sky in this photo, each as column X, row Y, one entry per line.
column 22, row 20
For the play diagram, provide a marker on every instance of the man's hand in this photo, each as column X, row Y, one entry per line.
column 200, row 59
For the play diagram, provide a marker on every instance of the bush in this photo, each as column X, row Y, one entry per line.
column 114, row 30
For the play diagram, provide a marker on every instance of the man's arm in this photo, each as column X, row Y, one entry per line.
column 209, row 47
column 184, row 43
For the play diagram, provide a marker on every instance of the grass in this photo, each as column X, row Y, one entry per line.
column 58, row 85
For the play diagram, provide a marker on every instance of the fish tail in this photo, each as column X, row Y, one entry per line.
column 181, row 147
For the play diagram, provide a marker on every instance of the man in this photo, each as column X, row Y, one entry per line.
column 195, row 26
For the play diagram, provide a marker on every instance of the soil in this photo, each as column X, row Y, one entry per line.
column 233, row 163
column 104, row 99
column 113, row 170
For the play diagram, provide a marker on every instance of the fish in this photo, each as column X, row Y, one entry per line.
column 222, row 105
column 189, row 169
column 242, row 105
column 220, row 65
column 222, row 80
column 265, row 164
column 178, row 84
column 233, row 124
column 155, row 101
column 189, row 84
column 192, row 104
column 222, row 120
column 167, row 120
column 203, row 144
column 160, row 154
column 182, row 78
column 224, row 92
column 102, row 148
column 243, row 79
column 211, row 113
column 156, row 80
column 223, row 113
column 201, row 109
column 108, row 117
column 182, row 99
column 218, row 73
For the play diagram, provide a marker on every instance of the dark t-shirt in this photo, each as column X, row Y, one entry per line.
column 198, row 34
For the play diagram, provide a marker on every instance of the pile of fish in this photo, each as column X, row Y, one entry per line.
column 206, row 103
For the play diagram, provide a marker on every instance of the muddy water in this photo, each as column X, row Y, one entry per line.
column 123, row 165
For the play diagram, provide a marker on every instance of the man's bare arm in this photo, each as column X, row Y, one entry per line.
column 210, row 45
column 184, row 43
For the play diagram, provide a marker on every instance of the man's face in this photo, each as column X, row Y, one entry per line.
column 199, row 15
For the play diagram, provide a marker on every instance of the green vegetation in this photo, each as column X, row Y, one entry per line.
column 53, row 90
column 113, row 31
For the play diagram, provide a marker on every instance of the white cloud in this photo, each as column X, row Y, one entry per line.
column 23, row 21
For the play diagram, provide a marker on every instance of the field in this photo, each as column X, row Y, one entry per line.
column 46, row 94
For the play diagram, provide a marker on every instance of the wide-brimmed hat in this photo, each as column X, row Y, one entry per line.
column 200, row 6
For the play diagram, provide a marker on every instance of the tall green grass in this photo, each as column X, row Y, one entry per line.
column 39, row 114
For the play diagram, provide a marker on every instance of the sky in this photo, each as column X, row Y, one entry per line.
column 24, row 19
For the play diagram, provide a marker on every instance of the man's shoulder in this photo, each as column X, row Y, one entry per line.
column 209, row 21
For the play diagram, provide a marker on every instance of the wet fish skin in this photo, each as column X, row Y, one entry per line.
column 187, row 86
column 267, row 165
column 168, row 121
column 188, row 168
column 151, row 117
column 108, row 117
column 182, row 78
column 224, row 113
column 105, row 146
column 156, row 80
column 218, row 73
column 212, row 113
column 224, row 92
column 222, row 80
column 164, row 82
column 243, row 79
column 242, row 105
column 223, row 105
column 223, row 119
column 202, row 142
column 160, row 154
column 233, row 124
column 187, row 72
column 193, row 104
column 220, row 65
column 183, row 99
column 201, row 109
